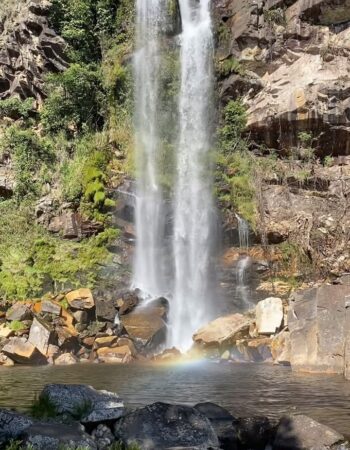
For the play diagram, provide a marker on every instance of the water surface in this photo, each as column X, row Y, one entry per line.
column 244, row 389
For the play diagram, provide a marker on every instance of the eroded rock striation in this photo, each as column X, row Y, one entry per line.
column 29, row 48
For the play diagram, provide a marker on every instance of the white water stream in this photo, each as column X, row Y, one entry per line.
column 149, row 261
column 193, row 209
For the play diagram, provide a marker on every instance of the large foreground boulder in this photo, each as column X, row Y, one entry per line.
column 97, row 406
column 222, row 331
column 161, row 426
column 318, row 331
column 222, row 422
column 57, row 436
column 303, row 433
column 12, row 425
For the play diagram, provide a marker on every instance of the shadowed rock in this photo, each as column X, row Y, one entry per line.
column 161, row 426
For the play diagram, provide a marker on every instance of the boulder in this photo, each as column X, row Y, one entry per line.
column 254, row 432
column 122, row 354
column 51, row 307
column 106, row 341
column 19, row 311
column 127, row 303
column 318, row 332
column 162, row 425
column 5, row 331
column 66, row 359
column 6, row 361
column 40, row 335
column 55, row 436
column 81, row 317
column 223, row 331
column 101, row 405
column 12, row 425
column 221, row 420
column 23, row 352
column 269, row 315
column 105, row 310
column 103, row 436
column 81, row 299
column 303, row 433
column 145, row 327
column 254, row 350
column 280, row 348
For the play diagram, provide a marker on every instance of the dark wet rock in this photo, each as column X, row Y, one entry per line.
column 221, row 420
column 303, row 433
column 12, row 425
column 100, row 406
column 105, row 310
column 254, row 432
column 55, row 436
column 162, row 425
column 103, row 437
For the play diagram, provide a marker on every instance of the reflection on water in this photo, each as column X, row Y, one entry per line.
column 244, row 389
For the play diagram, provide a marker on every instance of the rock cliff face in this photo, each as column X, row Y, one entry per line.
column 29, row 48
column 298, row 52
column 292, row 70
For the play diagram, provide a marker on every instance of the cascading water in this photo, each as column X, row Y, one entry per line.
column 193, row 206
column 243, row 265
column 149, row 210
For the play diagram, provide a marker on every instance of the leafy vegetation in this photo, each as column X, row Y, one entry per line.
column 32, row 157
column 235, row 164
column 43, row 409
column 32, row 260
column 16, row 109
column 75, row 102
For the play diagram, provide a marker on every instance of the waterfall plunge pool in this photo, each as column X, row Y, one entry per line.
column 244, row 389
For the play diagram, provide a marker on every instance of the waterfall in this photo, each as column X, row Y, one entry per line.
column 149, row 209
column 193, row 205
column 191, row 237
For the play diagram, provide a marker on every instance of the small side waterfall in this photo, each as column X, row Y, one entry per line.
column 243, row 265
column 193, row 209
column 149, row 210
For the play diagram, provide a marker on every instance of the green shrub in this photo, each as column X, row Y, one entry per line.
column 17, row 325
column 15, row 108
column 42, row 408
column 235, row 168
column 31, row 258
column 228, row 66
column 75, row 100
column 31, row 155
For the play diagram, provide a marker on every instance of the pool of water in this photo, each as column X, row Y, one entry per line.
column 244, row 389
